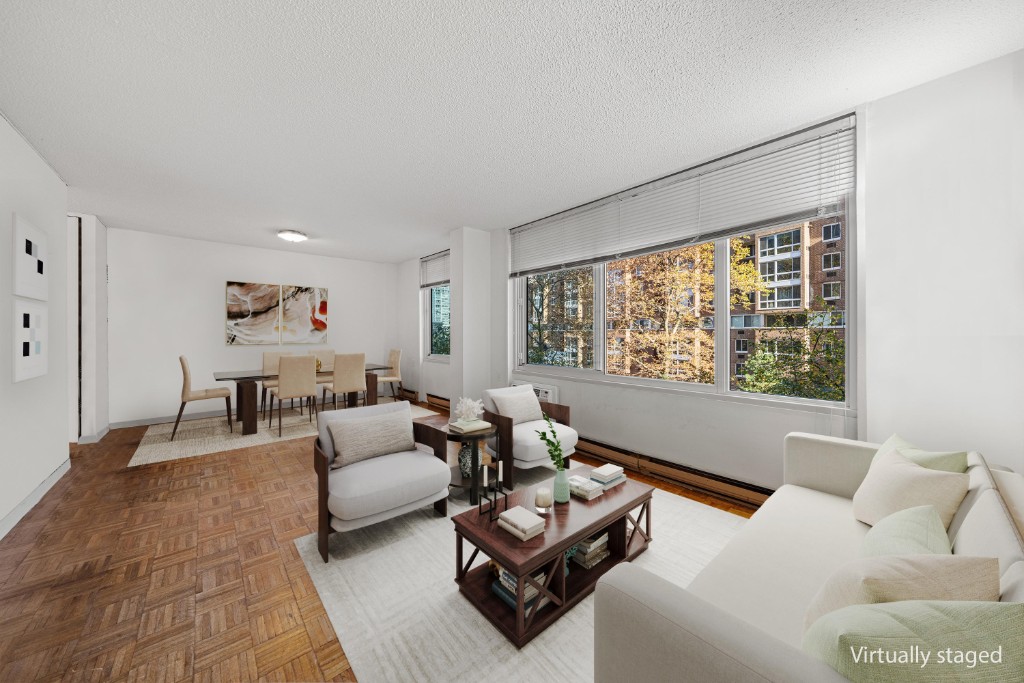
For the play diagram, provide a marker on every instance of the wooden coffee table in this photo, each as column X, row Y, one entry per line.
column 567, row 524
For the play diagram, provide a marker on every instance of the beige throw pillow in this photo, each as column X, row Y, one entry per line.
column 521, row 406
column 947, row 461
column 894, row 483
column 367, row 437
column 908, row 577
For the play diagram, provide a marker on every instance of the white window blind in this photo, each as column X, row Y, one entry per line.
column 435, row 269
column 794, row 178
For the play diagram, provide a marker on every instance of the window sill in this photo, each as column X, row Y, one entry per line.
column 699, row 391
column 440, row 360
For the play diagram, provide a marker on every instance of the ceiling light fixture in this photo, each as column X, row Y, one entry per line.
column 292, row 235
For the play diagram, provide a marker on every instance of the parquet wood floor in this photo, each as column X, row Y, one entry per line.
column 175, row 571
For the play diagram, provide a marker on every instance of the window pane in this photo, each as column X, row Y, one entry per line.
column 440, row 320
column 660, row 314
column 800, row 349
column 560, row 318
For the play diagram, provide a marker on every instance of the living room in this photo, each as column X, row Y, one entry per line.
column 447, row 163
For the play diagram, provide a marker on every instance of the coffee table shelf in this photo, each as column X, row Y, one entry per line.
column 567, row 525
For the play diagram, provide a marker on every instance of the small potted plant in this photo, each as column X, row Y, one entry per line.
column 555, row 453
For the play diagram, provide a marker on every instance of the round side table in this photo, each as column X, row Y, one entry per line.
column 474, row 439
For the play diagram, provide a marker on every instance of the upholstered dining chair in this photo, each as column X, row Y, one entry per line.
column 271, row 363
column 394, row 371
column 519, row 415
column 325, row 360
column 296, row 379
column 188, row 394
column 349, row 376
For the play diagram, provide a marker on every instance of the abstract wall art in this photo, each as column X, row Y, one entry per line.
column 303, row 315
column 253, row 313
column 31, row 343
column 31, row 268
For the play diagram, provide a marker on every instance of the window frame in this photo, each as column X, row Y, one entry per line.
column 835, row 283
column 838, row 255
column 428, row 323
column 838, row 233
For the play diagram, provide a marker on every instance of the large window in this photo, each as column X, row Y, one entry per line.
column 440, row 321
column 659, row 310
column 560, row 318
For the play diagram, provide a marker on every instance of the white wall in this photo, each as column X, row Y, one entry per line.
column 33, row 421
column 470, row 311
column 944, row 203
column 409, row 337
column 166, row 298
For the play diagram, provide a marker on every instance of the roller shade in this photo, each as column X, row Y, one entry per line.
column 794, row 178
column 435, row 269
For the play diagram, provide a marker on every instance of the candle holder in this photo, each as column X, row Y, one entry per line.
column 491, row 494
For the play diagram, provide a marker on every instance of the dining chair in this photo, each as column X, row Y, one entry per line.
column 188, row 395
column 349, row 376
column 296, row 379
column 271, row 363
column 394, row 371
column 325, row 358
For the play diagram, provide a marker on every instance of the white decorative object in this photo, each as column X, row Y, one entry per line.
column 468, row 410
column 542, row 498
column 31, row 343
column 31, row 267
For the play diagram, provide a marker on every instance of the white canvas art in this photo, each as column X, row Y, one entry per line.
column 31, row 268
column 31, row 343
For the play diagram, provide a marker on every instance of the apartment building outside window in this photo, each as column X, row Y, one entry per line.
column 440, row 320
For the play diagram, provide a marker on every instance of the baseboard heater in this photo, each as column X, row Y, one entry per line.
column 408, row 394
column 688, row 476
column 439, row 401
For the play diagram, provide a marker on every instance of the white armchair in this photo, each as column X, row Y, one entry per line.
column 518, row 416
column 356, row 487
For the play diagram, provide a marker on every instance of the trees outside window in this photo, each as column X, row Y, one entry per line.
column 560, row 318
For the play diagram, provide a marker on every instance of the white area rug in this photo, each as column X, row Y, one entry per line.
column 390, row 593
column 211, row 435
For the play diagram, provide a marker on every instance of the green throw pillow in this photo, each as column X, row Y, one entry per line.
column 914, row 531
column 947, row 461
column 922, row 640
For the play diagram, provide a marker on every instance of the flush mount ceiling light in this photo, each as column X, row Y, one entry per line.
column 292, row 235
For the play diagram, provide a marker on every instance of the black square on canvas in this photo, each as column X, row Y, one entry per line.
column 26, row 320
column 24, row 348
column 39, row 267
column 28, row 247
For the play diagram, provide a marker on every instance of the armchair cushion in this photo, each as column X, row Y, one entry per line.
column 371, row 436
column 527, row 446
column 521, row 406
column 324, row 419
column 376, row 485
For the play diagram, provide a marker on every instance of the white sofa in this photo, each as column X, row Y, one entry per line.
column 742, row 617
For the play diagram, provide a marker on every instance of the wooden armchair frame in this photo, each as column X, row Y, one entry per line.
column 556, row 411
column 422, row 433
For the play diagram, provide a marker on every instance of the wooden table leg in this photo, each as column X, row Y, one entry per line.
column 247, row 406
column 474, row 494
column 371, row 388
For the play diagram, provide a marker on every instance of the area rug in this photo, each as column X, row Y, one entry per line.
column 390, row 593
column 211, row 435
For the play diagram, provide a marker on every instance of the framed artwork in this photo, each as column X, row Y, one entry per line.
column 31, row 342
column 303, row 315
column 253, row 313
column 31, row 268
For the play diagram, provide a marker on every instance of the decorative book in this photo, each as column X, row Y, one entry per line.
column 522, row 520
column 611, row 484
column 517, row 533
column 592, row 543
column 591, row 559
column 585, row 488
column 464, row 427
column 606, row 473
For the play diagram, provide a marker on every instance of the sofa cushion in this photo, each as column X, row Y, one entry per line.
column 911, row 577
column 371, row 436
column 895, row 483
column 769, row 572
column 521, row 406
column 383, row 483
column 527, row 446
column 913, row 531
column 980, row 479
column 1011, row 584
column 323, row 419
column 960, row 631
column 947, row 461
column 1011, row 489
column 988, row 531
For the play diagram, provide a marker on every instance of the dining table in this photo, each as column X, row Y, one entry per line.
column 245, row 390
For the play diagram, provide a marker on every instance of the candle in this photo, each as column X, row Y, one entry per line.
column 501, row 477
column 485, row 476
column 543, row 497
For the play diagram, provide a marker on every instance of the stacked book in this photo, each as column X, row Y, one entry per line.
column 463, row 427
column 505, row 588
column 592, row 550
column 584, row 488
column 521, row 523
column 608, row 476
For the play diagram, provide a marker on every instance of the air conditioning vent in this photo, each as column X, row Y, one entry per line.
column 545, row 392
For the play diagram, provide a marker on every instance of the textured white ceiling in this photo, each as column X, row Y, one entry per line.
column 378, row 127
